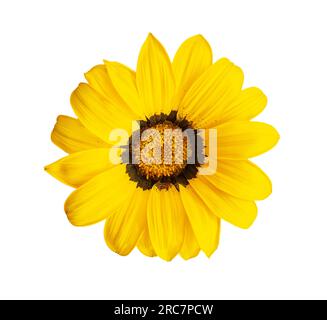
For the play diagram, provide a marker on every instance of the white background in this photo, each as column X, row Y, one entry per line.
column 45, row 46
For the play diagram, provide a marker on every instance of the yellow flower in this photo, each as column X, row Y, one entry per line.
column 164, row 209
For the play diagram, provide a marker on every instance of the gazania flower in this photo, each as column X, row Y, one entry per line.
column 164, row 209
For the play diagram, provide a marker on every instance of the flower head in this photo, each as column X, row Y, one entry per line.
column 161, row 153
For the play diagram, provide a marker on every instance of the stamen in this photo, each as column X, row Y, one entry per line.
column 172, row 161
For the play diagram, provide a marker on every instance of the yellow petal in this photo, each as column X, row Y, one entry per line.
column 249, row 104
column 205, row 224
column 124, row 227
column 215, row 89
column 154, row 78
column 245, row 139
column 242, row 179
column 71, row 136
column 99, row 80
column 193, row 57
column 99, row 197
column 190, row 247
column 124, row 81
column 240, row 213
column 97, row 114
column 166, row 219
column 78, row 168
column 144, row 244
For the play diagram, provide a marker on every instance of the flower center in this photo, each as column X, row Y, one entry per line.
column 163, row 152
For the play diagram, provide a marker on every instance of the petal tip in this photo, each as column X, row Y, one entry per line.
column 198, row 36
column 276, row 136
column 49, row 169
column 202, row 38
column 224, row 60
column 208, row 254
column 189, row 257
column 150, row 35
column 151, row 39
column 66, row 205
column 247, row 225
column 107, row 63
column 60, row 117
column 167, row 259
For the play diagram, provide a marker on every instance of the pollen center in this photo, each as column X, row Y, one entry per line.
column 162, row 151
